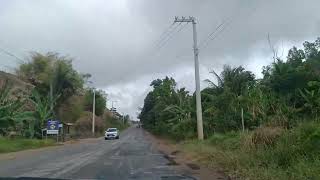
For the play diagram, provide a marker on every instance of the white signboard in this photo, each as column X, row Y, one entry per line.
column 52, row 131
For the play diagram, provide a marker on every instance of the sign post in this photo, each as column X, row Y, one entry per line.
column 53, row 127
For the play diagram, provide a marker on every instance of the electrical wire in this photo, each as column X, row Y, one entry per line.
column 168, row 36
column 12, row 55
column 172, row 35
column 213, row 33
column 164, row 33
column 220, row 28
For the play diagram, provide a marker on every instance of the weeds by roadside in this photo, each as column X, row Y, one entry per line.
column 10, row 145
column 292, row 155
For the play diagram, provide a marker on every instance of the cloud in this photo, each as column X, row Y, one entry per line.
column 114, row 40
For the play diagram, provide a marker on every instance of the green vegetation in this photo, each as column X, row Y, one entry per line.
column 49, row 88
column 280, row 136
column 12, row 113
column 12, row 145
column 111, row 122
column 52, row 75
column 100, row 101
column 293, row 155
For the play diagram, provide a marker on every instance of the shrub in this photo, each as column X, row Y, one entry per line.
column 83, row 125
column 266, row 136
column 72, row 109
column 277, row 154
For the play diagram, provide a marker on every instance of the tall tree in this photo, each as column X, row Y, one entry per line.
column 52, row 75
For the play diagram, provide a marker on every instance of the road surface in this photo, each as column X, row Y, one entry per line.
column 131, row 157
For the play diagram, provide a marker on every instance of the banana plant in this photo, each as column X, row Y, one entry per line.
column 311, row 97
column 42, row 107
column 12, row 110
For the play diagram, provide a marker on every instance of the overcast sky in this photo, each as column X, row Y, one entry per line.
column 115, row 40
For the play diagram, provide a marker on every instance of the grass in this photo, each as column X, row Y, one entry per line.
column 18, row 144
column 292, row 155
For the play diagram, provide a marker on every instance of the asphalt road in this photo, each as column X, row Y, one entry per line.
column 131, row 157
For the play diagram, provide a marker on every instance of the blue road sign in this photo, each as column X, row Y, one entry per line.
column 52, row 126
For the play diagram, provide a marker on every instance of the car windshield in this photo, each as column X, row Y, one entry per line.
column 112, row 130
column 149, row 89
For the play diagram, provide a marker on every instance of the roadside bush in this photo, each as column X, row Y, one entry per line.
column 72, row 109
column 294, row 153
column 266, row 136
column 299, row 143
column 111, row 122
column 229, row 140
column 10, row 145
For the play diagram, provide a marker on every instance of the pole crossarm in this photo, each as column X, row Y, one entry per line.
column 184, row 19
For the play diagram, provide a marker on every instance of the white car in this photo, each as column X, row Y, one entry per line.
column 111, row 133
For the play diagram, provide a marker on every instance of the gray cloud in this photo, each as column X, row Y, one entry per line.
column 114, row 40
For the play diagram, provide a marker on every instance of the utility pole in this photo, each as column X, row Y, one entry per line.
column 51, row 96
column 197, row 76
column 52, row 75
column 93, row 107
column 242, row 120
column 93, row 111
column 112, row 108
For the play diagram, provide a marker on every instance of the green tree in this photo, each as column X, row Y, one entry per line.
column 152, row 114
column 223, row 102
column 101, row 101
column 52, row 75
column 181, row 124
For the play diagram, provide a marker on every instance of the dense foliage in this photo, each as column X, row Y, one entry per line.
column 55, row 91
column 12, row 113
column 52, row 75
column 100, row 99
column 167, row 110
column 287, row 94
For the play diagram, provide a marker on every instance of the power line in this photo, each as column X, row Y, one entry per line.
column 168, row 36
column 214, row 36
column 213, row 33
column 220, row 28
column 162, row 37
column 164, row 34
column 172, row 35
column 12, row 55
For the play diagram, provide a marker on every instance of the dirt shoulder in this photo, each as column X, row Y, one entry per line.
column 185, row 162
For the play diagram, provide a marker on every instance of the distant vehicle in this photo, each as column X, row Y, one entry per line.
column 111, row 133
